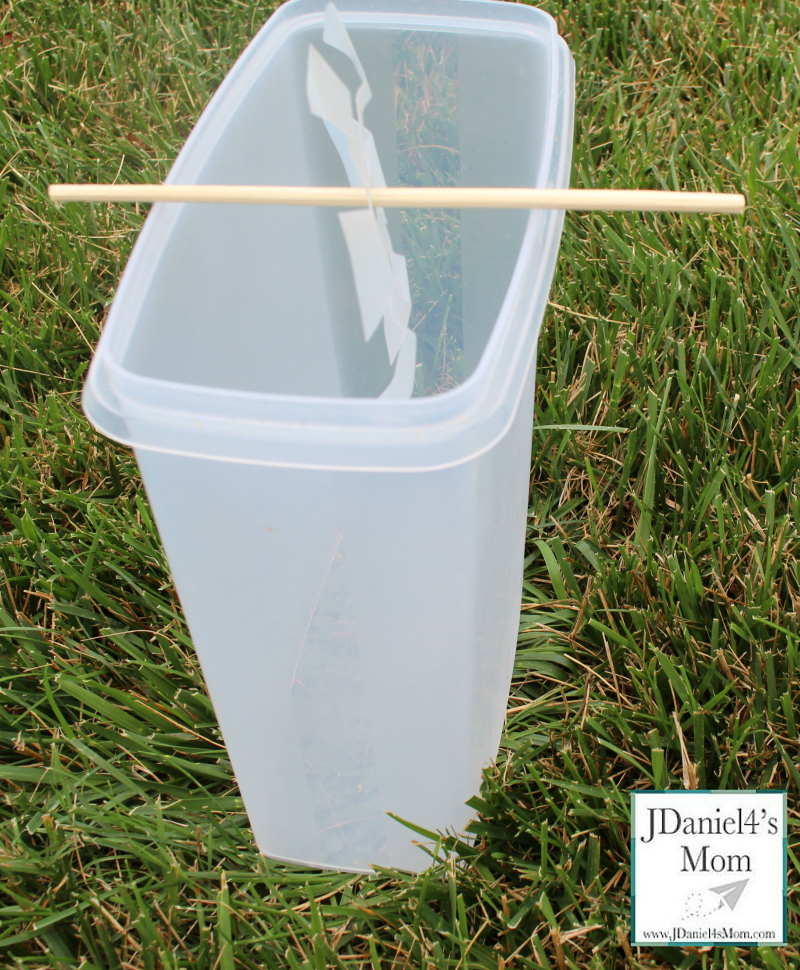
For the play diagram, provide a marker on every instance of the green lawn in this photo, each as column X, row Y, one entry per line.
column 662, row 589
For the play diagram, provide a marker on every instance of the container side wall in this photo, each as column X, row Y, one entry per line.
column 502, row 95
column 333, row 615
column 504, row 478
column 238, row 299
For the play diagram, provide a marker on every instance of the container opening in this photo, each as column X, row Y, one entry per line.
column 258, row 298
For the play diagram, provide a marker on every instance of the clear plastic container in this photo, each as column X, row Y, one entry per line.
column 350, row 566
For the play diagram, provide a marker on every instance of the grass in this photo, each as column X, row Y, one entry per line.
column 426, row 112
column 662, row 589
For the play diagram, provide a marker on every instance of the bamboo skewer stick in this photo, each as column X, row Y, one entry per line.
column 580, row 200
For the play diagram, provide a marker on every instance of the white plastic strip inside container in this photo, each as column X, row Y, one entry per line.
column 379, row 273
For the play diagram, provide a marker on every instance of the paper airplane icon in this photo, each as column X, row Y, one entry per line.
column 730, row 892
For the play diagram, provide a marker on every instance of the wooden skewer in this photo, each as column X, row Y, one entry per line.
column 581, row 200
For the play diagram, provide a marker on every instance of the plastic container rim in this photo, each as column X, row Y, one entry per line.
column 266, row 414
